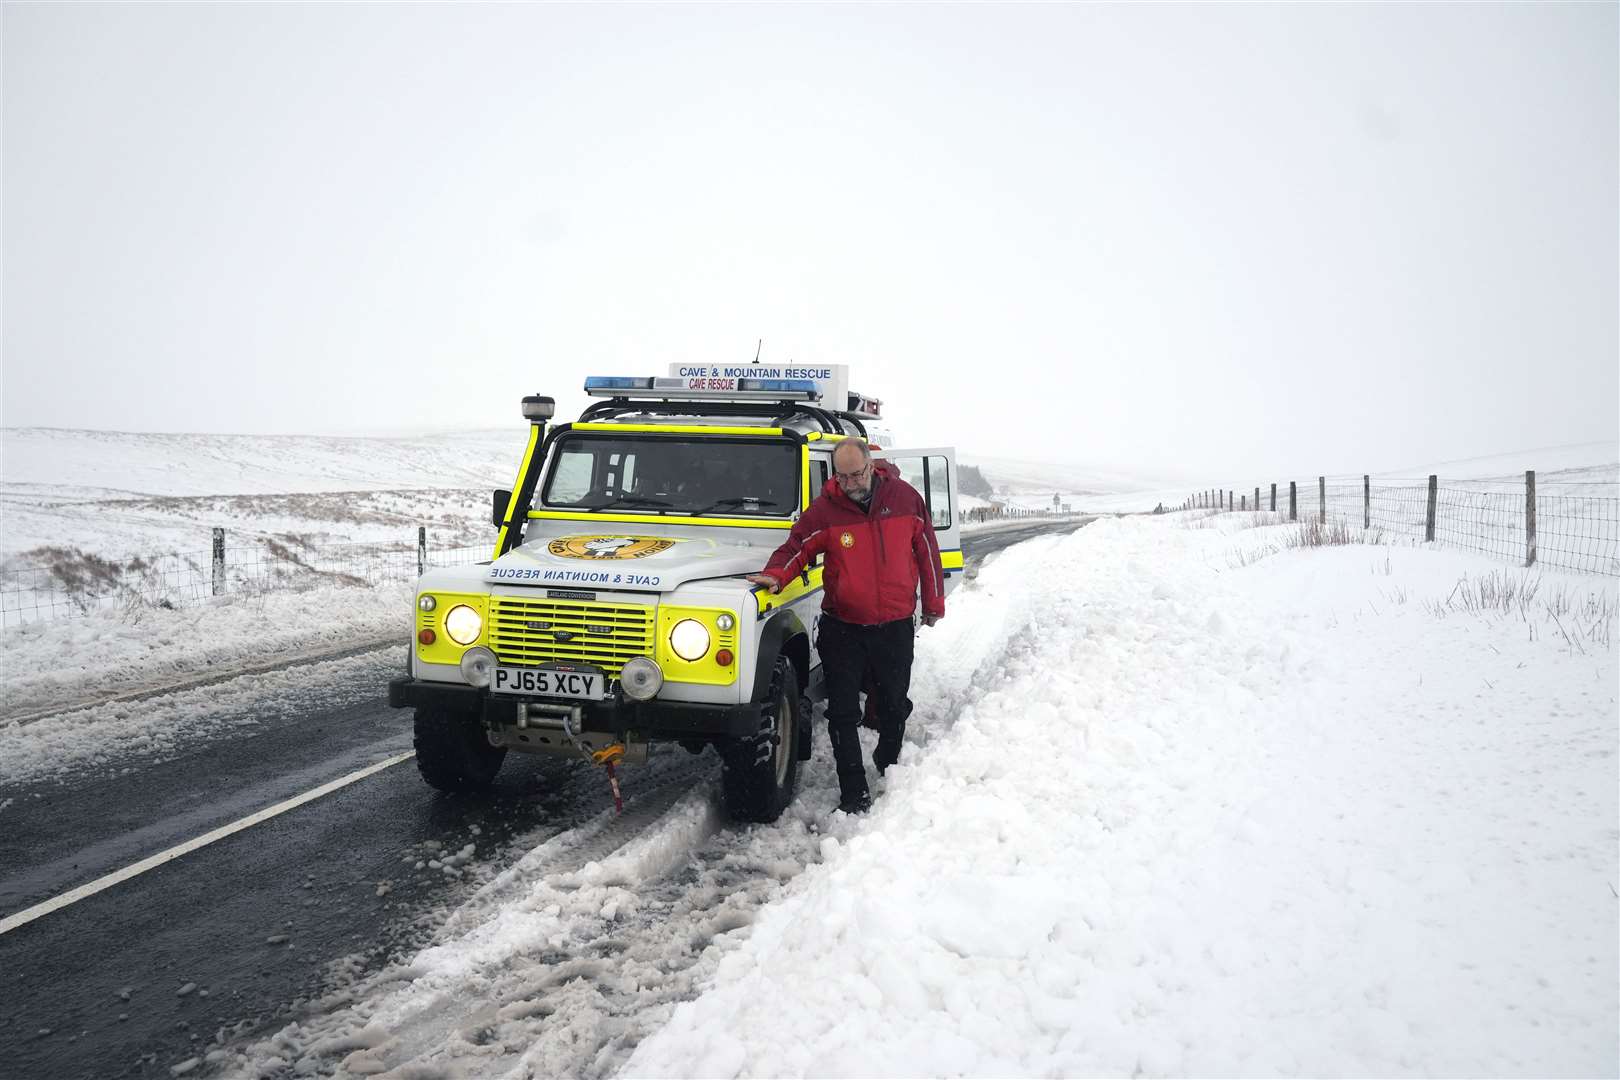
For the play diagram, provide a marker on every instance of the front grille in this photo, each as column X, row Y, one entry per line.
column 523, row 631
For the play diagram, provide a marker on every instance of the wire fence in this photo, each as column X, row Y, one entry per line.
column 1560, row 524
column 74, row 584
column 1570, row 525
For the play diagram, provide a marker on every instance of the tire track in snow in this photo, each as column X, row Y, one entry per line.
column 563, row 963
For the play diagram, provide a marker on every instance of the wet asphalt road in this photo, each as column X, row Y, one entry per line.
column 271, row 916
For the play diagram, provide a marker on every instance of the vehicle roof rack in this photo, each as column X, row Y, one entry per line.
column 778, row 412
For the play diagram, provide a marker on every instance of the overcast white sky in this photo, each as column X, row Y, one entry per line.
column 1213, row 240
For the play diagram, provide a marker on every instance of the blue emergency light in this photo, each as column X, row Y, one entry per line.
column 617, row 382
column 778, row 386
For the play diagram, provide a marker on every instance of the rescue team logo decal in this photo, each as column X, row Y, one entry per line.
column 608, row 547
column 848, row 540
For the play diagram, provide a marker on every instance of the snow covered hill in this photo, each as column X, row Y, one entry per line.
column 109, row 464
column 1600, row 459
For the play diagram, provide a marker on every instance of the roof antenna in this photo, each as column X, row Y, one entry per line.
column 758, row 347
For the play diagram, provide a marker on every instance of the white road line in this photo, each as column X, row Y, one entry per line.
column 73, row 896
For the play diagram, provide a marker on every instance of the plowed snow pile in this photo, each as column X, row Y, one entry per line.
column 1176, row 809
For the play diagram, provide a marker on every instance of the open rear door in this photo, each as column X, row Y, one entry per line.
column 933, row 473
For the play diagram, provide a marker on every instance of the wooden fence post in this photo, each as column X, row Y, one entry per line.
column 1293, row 502
column 1244, row 505
column 1434, row 500
column 1321, row 493
column 1257, row 497
column 421, row 550
column 1366, row 501
column 219, row 562
column 1273, row 498
column 1530, row 517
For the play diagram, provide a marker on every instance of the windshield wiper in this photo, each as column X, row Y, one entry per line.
column 717, row 504
column 631, row 500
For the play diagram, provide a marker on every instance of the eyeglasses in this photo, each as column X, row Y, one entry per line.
column 853, row 477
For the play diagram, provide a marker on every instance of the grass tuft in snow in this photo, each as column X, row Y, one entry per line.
column 1581, row 618
column 1331, row 534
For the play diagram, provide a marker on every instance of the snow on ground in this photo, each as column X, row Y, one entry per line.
column 46, row 664
column 1174, row 802
column 1175, row 815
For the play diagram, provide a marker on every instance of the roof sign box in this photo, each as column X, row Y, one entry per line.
column 831, row 380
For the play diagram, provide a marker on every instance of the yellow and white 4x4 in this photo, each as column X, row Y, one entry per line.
column 614, row 612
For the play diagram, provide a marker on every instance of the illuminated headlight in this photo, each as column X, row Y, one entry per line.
column 426, row 603
column 478, row 666
column 725, row 621
column 689, row 639
column 641, row 678
column 463, row 624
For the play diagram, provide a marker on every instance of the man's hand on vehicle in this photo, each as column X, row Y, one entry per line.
column 765, row 580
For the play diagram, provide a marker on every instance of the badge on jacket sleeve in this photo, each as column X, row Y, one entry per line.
column 848, row 539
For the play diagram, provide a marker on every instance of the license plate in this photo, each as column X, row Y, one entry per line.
column 551, row 682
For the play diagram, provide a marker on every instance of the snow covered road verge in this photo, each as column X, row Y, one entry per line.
column 1175, row 814
column 67, row 660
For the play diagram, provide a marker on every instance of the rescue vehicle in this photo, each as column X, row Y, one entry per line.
column 613, row 612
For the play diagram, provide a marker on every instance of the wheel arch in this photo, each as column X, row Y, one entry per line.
column 784, row 635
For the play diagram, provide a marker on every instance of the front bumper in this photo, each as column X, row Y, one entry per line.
column 617, row 714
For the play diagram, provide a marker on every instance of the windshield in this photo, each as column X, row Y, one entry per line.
column 673, row 474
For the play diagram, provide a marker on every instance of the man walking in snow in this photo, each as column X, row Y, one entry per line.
column 880, row 551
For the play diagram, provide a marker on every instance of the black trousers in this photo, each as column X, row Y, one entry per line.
column 849, row 652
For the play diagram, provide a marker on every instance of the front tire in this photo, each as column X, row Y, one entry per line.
column 452, row 752
column 759, row 772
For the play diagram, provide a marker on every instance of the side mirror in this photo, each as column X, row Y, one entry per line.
column 498, row 510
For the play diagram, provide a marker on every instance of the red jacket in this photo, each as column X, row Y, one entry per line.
column 876, row 558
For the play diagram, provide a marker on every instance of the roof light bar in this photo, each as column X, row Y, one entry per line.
column 676, row 389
